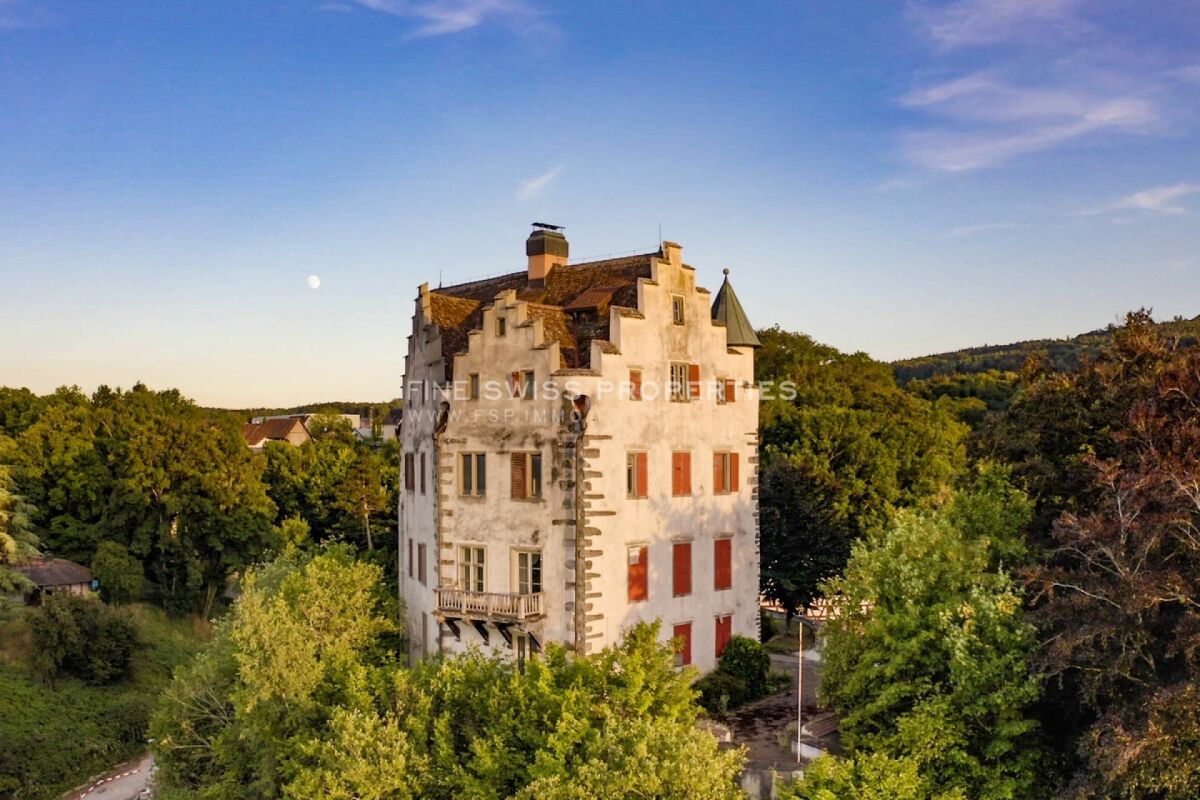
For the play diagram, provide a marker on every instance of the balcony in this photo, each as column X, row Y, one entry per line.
column 489, row 605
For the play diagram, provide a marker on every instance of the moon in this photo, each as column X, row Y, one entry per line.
column 314, row 282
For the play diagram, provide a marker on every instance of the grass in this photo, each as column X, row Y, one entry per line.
column 53, row 738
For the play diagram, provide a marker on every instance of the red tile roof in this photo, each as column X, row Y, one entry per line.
column 572, row 303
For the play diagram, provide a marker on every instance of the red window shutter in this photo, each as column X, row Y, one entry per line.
column 724, row 632
column 722, row 564
column 635, row 384
column 683, row 635
column 642, row 475
column 694, row 381
column 730, row 390
column 719, row 473
column 637, row 576
column 409, row 483
column 518, row 475
column 514, row 384
column 681, row 580
column 681, row 474
column 733, row 472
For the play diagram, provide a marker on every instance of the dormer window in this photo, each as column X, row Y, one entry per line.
column 501, row 326
column 677, row 309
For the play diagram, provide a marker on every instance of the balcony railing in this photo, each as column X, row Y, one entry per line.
column 489, row 605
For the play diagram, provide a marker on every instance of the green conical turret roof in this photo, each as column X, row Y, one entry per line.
column 726, row 308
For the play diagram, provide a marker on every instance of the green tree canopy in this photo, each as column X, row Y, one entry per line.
column 300, row 698
column 840, row 457
column 927, row 658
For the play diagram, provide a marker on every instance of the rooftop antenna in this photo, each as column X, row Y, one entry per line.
column 439, row 277
column 660, row 233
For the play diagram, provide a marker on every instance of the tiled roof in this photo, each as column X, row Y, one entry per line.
column 50, row 571
column 571, row 302
column 256, row 433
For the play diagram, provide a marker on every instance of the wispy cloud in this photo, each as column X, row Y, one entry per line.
column 535, row 186
column 442, row 17
column 1158, row 200
column 987, row 121
column 981, row 22
column 1060, row 79
column 987, row 227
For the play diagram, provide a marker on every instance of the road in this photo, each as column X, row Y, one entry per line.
column 126, row 782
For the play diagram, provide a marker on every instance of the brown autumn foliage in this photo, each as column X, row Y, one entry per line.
column 1117, row 595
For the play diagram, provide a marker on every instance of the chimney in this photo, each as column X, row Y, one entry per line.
column 547, row 248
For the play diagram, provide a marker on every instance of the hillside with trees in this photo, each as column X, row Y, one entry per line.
column 1062, row 355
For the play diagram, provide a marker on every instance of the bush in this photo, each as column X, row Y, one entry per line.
column 741, row 676
column 119, row 573
column 747, row 660
column 82, row 637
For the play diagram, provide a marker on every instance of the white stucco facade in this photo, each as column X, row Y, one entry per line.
column 587, row 520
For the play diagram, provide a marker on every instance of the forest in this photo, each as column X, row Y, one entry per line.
column 1013, row 553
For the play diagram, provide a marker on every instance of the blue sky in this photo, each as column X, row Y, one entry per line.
column 895, row 177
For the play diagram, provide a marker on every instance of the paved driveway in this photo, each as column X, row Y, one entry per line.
column 126, row 782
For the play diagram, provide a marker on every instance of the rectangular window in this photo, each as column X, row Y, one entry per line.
column 501, row 326
column 682, row 634
column 473, row 386
column 724, row 632
column 527, row 564
column 693, row 381
column 473, row 471
column 409, row 472
column 470, row 568
column 639, row 558
column 521, row 384
column 421, row 563
column 635, row 384
column 410, row 558
column 635, row 475
column 722, row 564
column 422, row 473
column 730, row 393
column 725, row 472
column 681, row 569
column 677, row 309
column 679, row 384
column 523, row 648
column 526, row 476
column 681, row 474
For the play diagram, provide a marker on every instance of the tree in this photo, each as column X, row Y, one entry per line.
column 868, row 776
column 1117, row 598
column 84, row 638
column 361, row 493
column 927, row 655
column 802, row 540
column 119, row 573
column 840, row 457
column 300, row 696
column 17, row 540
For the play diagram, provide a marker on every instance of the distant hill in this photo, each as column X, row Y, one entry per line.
column 381, row 410
column 1064, row 353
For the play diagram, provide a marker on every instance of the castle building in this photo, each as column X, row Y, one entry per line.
column 580, row 454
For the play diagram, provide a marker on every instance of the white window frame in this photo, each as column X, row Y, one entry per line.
column 525, row 574
column 681, row 388
column 678, row 310
column 472, row 567
column 478, row 485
